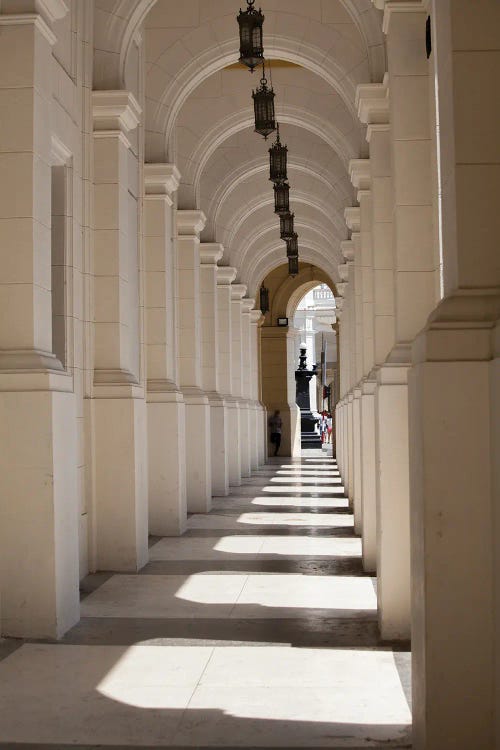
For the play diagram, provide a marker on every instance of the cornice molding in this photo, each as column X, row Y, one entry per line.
column 238, row 291
column 210, row 253
column 190, row 222
column 161, row 179
column 26, row 19
column 347, row 249
column 360, row 173
column 352, row 216
column 256, row 317
column 372, row 103
column 115, row 111
column 401, row 6
column 247, row 305
column 225, row 275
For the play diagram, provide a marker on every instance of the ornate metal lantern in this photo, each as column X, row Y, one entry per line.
column 264, row 299
column 292, row 246
column 263, row 104
column 293, row 265
column 250, row 22
column 281, row 198
column 286, row 226
column 277, row 159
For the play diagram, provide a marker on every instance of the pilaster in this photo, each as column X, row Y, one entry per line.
column 198, row 450
column 225, row 276
column 165, row 404
column 239, row 429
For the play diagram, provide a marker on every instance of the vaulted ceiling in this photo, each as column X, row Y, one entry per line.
column 199, row 114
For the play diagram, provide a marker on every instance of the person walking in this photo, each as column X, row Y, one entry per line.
column 275, row 425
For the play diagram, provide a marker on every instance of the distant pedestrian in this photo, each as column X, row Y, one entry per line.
column 329, row 427
column 275, row 425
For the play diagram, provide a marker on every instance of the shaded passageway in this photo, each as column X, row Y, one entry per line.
column 257, row 628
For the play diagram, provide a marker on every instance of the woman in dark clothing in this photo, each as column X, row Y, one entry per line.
column 275, row 424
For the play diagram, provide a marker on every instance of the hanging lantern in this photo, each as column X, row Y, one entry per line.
column 263, row 104
column 277, row 159
column 281, row 198
column 292, row 246
column 250, row 22
column 293, row 265
column 264, row 299
column 286, row 226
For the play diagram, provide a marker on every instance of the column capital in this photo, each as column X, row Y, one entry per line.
column 341, row 288
column 352, row 216
column 339, row 305
column 225, row 275
column 372, row 102
column 347, row 248
column 256, row 317
column 238, row 291
column 116, row 111
column 161, row 179
column 360, row 173
column 401, row 6
column 190, row 222
column 210, row 253
column 343, row 270
column 247, row 304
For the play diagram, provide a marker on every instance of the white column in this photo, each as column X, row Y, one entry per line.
column 373, row 109
column 246, row 463
column 119, row 406
column 198, row 450
column 38, row 496
column 454, row 396
column 415, row 290
column 165, row 403
column 225, row 276
column 239, row 430
column 210, row 253
column 258, row 443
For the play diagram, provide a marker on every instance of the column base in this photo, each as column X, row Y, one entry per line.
column 166, row 459
column 121, row 481
column 219, row 438
column 368, row 451
column 198, row 451
column 393, row 503
column 234, row 453
column 39, row 556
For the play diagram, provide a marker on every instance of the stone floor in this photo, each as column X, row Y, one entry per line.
column 256, row 629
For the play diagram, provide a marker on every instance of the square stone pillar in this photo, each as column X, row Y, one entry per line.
column 247, row 404
column 38, row 433
column 225, row 277
column 239, row 428
column 165, row 403
column 258, row 444
column 198, row 448
column 119, row 407
column 210, row 253
column 454, row 398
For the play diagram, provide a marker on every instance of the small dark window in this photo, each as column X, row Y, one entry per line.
column 428, row 39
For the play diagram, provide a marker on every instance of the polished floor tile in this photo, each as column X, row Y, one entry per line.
column 256, row 629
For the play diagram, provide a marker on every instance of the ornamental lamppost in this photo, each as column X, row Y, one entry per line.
column 263, row 105
column 286, row 226
column 250, row 22
column 278, row 159
column 264, row 299
column 281, row 198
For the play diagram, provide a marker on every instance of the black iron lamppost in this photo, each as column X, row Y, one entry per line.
column 286, row 226
column 292, row 246
column 281, row 198
column 293, row 265
column 264, row 299
column 250, row 22
column 263, row 105
column 278, row 159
